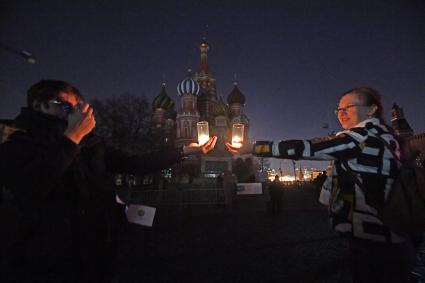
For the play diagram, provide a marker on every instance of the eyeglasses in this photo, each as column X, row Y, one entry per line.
column 66, row 107
column 345, row 109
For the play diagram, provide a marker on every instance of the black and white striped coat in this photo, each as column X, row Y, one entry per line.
column 359, row 148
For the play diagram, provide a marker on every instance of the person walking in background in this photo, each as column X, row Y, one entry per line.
column 276, row 191
column 326, row 188
column 59, row 174
column 377, row 253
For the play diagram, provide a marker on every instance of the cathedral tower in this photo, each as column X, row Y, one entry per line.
column 399, row 122
column 188, row 114
column 163, row 117
column 208, row 95
column 237, row 115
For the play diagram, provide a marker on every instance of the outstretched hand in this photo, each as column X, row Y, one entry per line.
column 195, row 148
column 240, row 148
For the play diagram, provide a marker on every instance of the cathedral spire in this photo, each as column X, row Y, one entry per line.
column 399, row 122
column 203, row 65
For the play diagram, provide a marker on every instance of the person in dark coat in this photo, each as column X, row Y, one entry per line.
column 60, row 175
column 276, row 191
column 319, row 180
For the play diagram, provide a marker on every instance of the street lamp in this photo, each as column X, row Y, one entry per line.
column 23, row 53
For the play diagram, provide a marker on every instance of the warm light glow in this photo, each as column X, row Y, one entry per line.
column 237, row 142
column 237, row 135
column 287, row 178
column 203, row 132
column 202, row 139
column 237, row 139
column 284, row 178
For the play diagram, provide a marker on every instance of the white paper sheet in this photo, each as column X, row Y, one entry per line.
column 249, row 189
column 141, row 214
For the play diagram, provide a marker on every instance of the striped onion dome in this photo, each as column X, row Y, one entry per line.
column 162, row 100
column 188, row 86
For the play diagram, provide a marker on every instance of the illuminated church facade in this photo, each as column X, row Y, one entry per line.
column 198, row 101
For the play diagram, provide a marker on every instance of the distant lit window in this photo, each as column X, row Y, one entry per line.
column 167, row 173
column 118, row 180
column 147, row 180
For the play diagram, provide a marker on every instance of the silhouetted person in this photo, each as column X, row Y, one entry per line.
column 60, row 177
column 319, row 180
column 326, row 188
column 276, row 191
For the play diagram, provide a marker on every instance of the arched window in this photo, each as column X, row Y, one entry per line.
column 186, row 129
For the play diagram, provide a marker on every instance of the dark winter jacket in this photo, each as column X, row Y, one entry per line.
column 276, row 189
column 65, row 195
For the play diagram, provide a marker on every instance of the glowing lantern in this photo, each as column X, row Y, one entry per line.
column 237, row 135
column 203, row 132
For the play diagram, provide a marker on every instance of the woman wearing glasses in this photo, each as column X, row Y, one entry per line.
column 377, row 254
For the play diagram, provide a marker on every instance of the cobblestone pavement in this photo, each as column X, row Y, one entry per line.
column 244, row 244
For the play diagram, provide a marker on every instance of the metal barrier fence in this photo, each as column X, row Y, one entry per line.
column 182, row 197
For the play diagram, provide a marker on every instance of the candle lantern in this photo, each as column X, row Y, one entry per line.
column 203, row 132
column 237, row 135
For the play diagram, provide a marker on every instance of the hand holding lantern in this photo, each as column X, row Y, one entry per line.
column 195, row 148
column 237, row 145
column 237, row 135
column 205, row 143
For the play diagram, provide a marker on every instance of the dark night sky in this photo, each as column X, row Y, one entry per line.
column 292, row 58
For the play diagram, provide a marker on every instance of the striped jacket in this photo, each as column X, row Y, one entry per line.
column 358, row 148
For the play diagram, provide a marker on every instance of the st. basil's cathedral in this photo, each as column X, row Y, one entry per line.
column 199, row 102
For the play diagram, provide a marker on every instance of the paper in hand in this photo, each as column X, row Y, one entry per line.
column 141, row 214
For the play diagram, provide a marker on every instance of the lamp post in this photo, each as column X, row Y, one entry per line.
column 20, row 52
column 280, row 170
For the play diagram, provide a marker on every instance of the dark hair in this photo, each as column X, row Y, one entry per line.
column 369, row 96
column 46, row 90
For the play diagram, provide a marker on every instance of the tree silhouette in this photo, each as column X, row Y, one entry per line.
column 124, row 121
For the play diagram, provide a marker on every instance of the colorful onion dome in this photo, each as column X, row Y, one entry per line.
column 236, row 95
column 188, row 86
column 162, row 100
